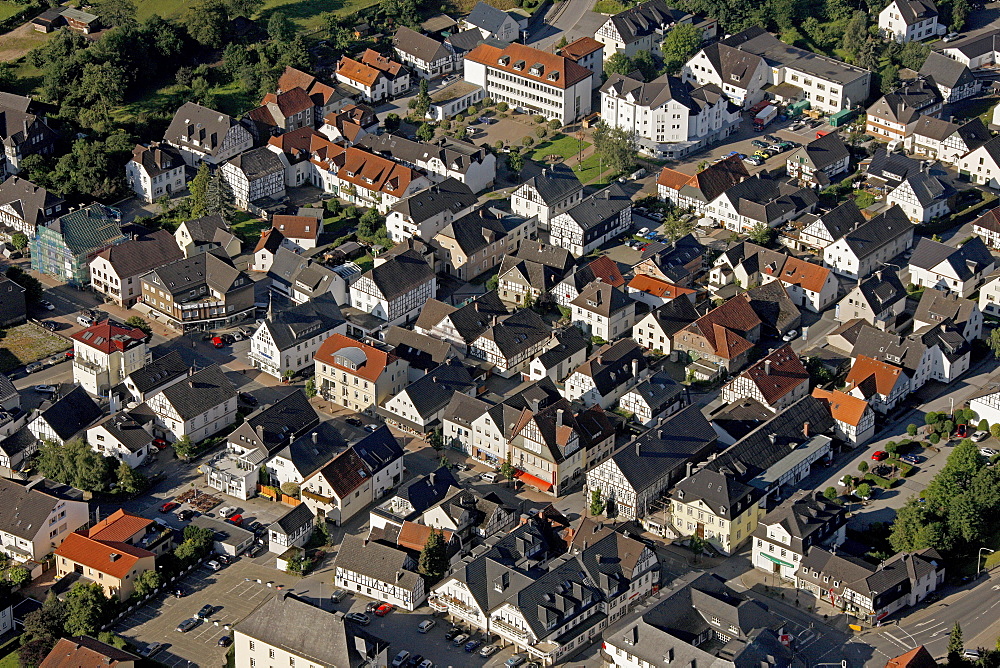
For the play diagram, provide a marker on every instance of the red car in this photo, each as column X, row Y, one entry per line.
column 161, row 444
column 962, row 431
column 168, row 506
column 384, row 609
column 879, row 455
column 218, row 342
column 236, row 519
column 70, row 354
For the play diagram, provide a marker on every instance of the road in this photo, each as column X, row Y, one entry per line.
column 571, row 18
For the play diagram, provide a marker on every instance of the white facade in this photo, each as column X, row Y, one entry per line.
column 365, row 295
column 64, row 518
column 265, row 355
column 102, row 441
column 150, row 188
column 841, row 258
column 989, row 296
column 526, row 201
column 98, row 371
column 401, row 226
column 894, row 26
column 908, row 201
column 565, row 104
column 197, row 427
column 980, row 166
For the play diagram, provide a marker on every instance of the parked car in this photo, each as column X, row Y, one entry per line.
column 225, row 559
column 372, row 606
column 160, row 443
column 988, row 452
column 516, row 660
column 452, row 632
column 188, row 624
column 84, row 320
column 754, row 160
column 248, row 398
column 371, row 428
column 971, row 654
column 772, row 139
column 911, row 459
column 980, row 436
column 384, row 609
column 426, row 625
column 45, row 389
column 151, row 649
column 217, row 341
column 880, row 455
column 789, row 336
column 415, row 660
column 756, row 143
column 426, row 663
column 225, row 641
column 460, row 639
column 235, row 520
column 338, row 596
column 168, row 506
column 227, row 511
column 47, row 305
column 358, row 618
column 489, row 650
column 213, row 565
column 206, row 611
column 49, row 325
column 185, row 515
column 951, row 37
column 354, row 422
column 400, row 659
column 473, row 645
column 489, row 476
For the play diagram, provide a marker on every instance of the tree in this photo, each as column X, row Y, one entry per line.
column 831, row 493
column 74, row 463
column 618, row 63
column 17, row 575
column 984, row 425
column 198, row 187
column 435, row 439
column 369, row 223
column 864, row 491
column 86, row 605
column 994, row 342
column 682, row 42
column 206, row 23
column 310, row 388
column 863, row 467
column 959, row 14
column 117, row 12
column 280, row 28
column 698, row 545
column 246, row 8
column 911, row 429
column 890, row 79
column 956, row 645
column 892, row 447
column 493, row 282
column 146, row 583
column 761, row 234
column 913, row 55
column 527, row 141
column 19, row 240
column 425, row 132
column 130, row 481
column 515, row 161
column 931, row 418
column 507, row 469
column 562, row 42
column 391, row 123
column 855, row 33
column 183, row 447
column 597, row 503
column 139, row 323
column 434, row 557
column 676, row 226
column 34, row 652
column 46, row 623
column 644, row 62
column 218, row 196
column 934, row 438
column 502, row 107
column 616, row 146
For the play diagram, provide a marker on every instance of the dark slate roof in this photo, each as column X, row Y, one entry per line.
column 824, row 151
column 127, row 431
column 470, row 320
column 429, row 490
column 613, row 364
column 936, row 306
column 972, row 258
column 195, row 123
column 20, row 441
column 658, row 391
column 675, row 315
column 71, row 413
column 973, row 132
column 257, row 163
column 684, row 437
column 159, row 371
column 476, row 230
column 280, row 422
column 200, row 392
column 290, row 623
column 23, row 511
column 914, row 11
column 142, row 254
column 432, row 392
column 400, row 274
column 905, row 104
column 654, row 94
column 182, row 276
column 570, row 342
column 376, row 560
column 293, row 519
column 7, row 389
column 465, row 41
column 308, row 453
column 600, row 206
column 879, row 231
column 28, row 200
column 420, row 46
column 671, row 258
column 893, row 167
column 203, row 230
column 758, row 41
column 928, row 189
column 449, row 195
column 726, row 496
column 378, row 449
column 487, row 17
column 882, row 289
column 733, row 64
column 457, row 155
column 419, row 350
column 290, row 324
column 741, row 417
column 516, row 333
column 803, row 514
column 774, row 307
column 946, row 72
column 765, row 199
column 645, row 19
column 603, row 299
column 555, row 183
column 842, row 219
column 88, row 228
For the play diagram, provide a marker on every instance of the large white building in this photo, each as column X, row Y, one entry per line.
column 530, row 80
column 106, row 353
column 669, row 116
column 395, row 290
column 910, row 20
column 288, row 339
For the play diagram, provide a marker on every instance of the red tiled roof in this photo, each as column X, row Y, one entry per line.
column 320, row 93
column 377, row 360
column 728, row 344
column 85, row 652
column 711, row 181
column 414, row 536
column 735, row 314
column 373, row 172
column 844, row 407
column 109, row 336
column 672, row 179
column 262, row 115
column 607, row 270
column 346, row 472
column 568, row 71
column 99, row 555
column 989, row 220
column 915, row 658
column 118, row 527
column 373, row 58
column 296, row 227
column 358, row 72
column 580, row 48
column 658, row 288
column 290, row 102
column 778, row 374
column 295, row 143
column 886, row 375
column 293, row 78
column 806, row 275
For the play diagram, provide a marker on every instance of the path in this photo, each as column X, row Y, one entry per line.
column 19, row 41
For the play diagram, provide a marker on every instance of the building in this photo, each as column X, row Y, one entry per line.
column 380, row 572
column 960, row 271
column 881, row 384
column 724, row 336
column 113, row 564
column 586, row 52
column 784, row 535
column 25, row 132
column 116, row 272
column 887, row 169
column 85, row 651
column 603, row 311
column 122, row 437
column 671, row 117
column 253, row 176
column 419, row 406
column 13, row 308
column 555, row 190
column 352, row 123
column 454, row 99
column 531, row 81
column 716, row 507
column 64, row 247
column 602, row 267
column 697, row 191
column 357, row 375
column 937, row 306
column 953, row 79
column 879, row 299
column 205, row 135
column 655, row 330
column 66, row 416
column 534, row 270
column 808, row 285
column 854, row 419
column 643, row 27
column 301, row 230
column 396, row 289
column 205, row 234
column 777, row 381
column 655, row 293
column 219, row 296
column 915, row 658
column 870, row 245
column 425, row 55
column 429, row 211
column 760, row 200
column 910, row 20
column 495, row 23
column 287, row 340
column 292, row 530
column 599, row 218
column 197, row 408
column 156, row 375
column 300, row 279
column 976, row 53
column 34, row 521
column 923, row 197
column 24, row 206
column 816, row 163
column 633, row 480
column 105, row 353
column 443, row 160
column 460, row 326
column 476, row 242
column 654, row 398
column 567, row 352
column 155, row 171
column 363, row 178
column 989, row 295
column 895, row 115
column 283, row 629
column 938, row 139
column 285, row 111
column 511, row 342
column 982, row 164
column 608, row 373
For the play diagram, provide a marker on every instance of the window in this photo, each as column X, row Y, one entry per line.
column 270, row 653
column 253, row 645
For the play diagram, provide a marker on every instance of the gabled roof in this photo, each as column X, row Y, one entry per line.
column 773, row 306
column 883, row 289
column 868, row 238
column 201, row 392
column 734, row 66
column 607, row 270
column 580, row 48
column 433, row 391
column 373, row 58
column 293, row 519
column 735, row 317
column 645, row 19
column 674, row 316
column 487, row 17
column 24, row 511
column 884, row 376
column 159, row 371
column 346, row 472
column 555, row 183
column 469, row 320
column 802, row 514
column 142, row 254
column 614, row 364
column 821, row 152
column 946, row 72
column 603, row 300
column 426, row 491
column 366, row 361
column 400, row 274
column 450, row 195
column 658, row 391
column 257, row 163
column 479, row 229
column 358, row 72
column 777, row 374
column 600, row 206
column 88, row 229
column 419, row 46
column 843, row 407
column 915, row 658
column 709, row 183
column 291, row 324
column 185, row 275
column 199, row 127
column 157, row 158
column 28, row 200
column 294, row 78
column 764, row 199
column 972, row 258
column 937, row 306
column 518, row 332
column 378, row 449
column 914, row 11
column 204, row 229
column 111, row 557
column 724, row 495
column 127, row 431
column 377, row 561
column 658, row 288
column 85, row 652
column 108, row 336
column 927, row 188
column 989, row 221
column 758, row 41
column 71, row 413
column 118, row 526
column 297, row 227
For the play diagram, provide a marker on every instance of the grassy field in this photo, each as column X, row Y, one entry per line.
column 8, row 9
column 28, row 343
column 310, row 14
column 249, row 228
column 8, row 654
column 608, row 7
column 590, row 169
column 564, row 146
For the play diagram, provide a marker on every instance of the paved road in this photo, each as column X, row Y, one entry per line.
column 571, row 18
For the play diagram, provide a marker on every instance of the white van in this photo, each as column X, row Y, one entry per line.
column 84, row 320
column 489, row 476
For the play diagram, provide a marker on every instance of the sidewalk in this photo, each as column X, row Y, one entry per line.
column 784, row 591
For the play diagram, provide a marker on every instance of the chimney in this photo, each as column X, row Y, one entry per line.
column 688, row 468
column 534, row 405
column 767, row 367
column 635, row 368
column 399, row 575
column 191, row 384
column 638, row 450
column 600, row 360
column 805, row 429
column 495, row 319
column 260, row 432
column 315, row 438
column 559, row 418
column 773, row 438
column 431, row 476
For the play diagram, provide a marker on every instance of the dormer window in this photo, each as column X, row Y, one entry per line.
column 503, row 60
column 519, row 65
column 553, row 76
column 537, row 69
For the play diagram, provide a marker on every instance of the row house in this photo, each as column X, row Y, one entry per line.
column 942, row 140
column 396, row 289
column 117, row 272
column 425, row 55
column 589, row 53
column 24, row 207
column 609, row 372
column 655, row 293
column 475, row 243
column 566, row 351
column 853, row 418
column 366, row 179
column 655, row 330
column 418, row 407
column 64, row 417
column 820, row 230
column 205, row 135
column 896, row 114
column 511, row 342
column 200, row 406
column 155, row 171
column 445, row 158
column 939, row 352
column 741, row 75
column 460, row 326
column 358, row 375
column 870, row 245
column 785, row 535
column 982, row 164
column 643, row 27
column 936, row 307
column 427, row 212
column 776, row 381
column 656, row 397
column 601, row 217
column 696, row 192
column 810, row 286
column 760, row 199
column 532, row 271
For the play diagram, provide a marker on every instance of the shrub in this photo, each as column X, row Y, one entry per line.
column 540, row 132
column 539, row 118
column 935, row 438
column 911, row 429
column 503, row 106
column 460, row 118
column 984, row 425
column 554, row 124
column 527, row 141
column 446, row 124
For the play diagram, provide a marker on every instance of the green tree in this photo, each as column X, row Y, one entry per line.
column 435, row 439
column 310, row 388
column 422, row 100
column 616, row 146
column 698, row 545
column 33, row 652
column 493, row 282
column 913, row 54
column 425, row 132
column 198, row 187
column 597, row 504
column 17, row 575
column 831, row 493
column 146, row 583
column 434, row 557
column 139, row 323
column 86, row 606
column 562, row 42
column 116, row 12
column 130, row 481
column 245, row 8
column 959, row 14
column 864, row 491
column 761, row 234
column 644, row 62
column 993, row 340
column 889, row 79
column 507, row 469
column 280, row 28
column 515, row 161
column 113, row 639
column 618, row 63
column 892, row 447
column 956, row 645
column 911, row 429
column 46, row 623
column 676, row 225
column 218, row 196
column 391, row 123
column 206, row 23
column 935, row 438
column 369, row 223
column 863, row 467
column 19, row 240
column 183, row 447
column 984, row 425
column 682, row 42
column 74, row 463
column 855, row 34
column 931, row 418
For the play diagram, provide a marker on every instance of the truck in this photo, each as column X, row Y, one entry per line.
column 757, row 107
column 764, row 116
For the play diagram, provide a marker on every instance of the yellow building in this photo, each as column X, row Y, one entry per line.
column 115, row 566
column 717, row 508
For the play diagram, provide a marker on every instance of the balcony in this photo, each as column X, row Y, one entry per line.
column 452, row 603
column 509, row 630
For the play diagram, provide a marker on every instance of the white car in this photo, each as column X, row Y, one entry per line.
column 47, row 305
column 789, row 336
column 980, row 436
column 988, row 452
column 489, row 650
column 227, row 511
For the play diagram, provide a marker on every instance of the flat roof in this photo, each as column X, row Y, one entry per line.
column 454, row 91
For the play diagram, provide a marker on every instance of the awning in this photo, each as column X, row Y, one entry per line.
column 534, row 481
column 776, row 560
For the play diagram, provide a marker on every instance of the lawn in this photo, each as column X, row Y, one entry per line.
column 8, row 654
column 28, row 343
column 608, row 7
column 8, row 9
column 309, row 14
column 590, row 169
column 564, row 146
column 248, row 229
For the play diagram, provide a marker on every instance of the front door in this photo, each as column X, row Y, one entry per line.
column 700, row 531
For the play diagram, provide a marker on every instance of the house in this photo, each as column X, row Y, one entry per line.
column 643, row 27
column 655, row 330
column 296, row 149
column 284, row 111
column 271, row 242
column 219, row 296
column 534, row 270
column 419, row 406
column 372, row 84
column 122, row 437
column 35, row 521
column 607, row 374
column 923, row 197
column 495, row 23
column 421, row 352
column 197, row 408
column 910, row 20
column 526, row 72
column 293, row 529
column 724, row 336
column 656, row 397
column 299, row 279
column 229, row 538
column 455, row 98
column 742, row 76
column 287, row 340
column 363, row 473
column 466, row 513
column 429, row 211
column 567, row 351
column 205, row 135
column 808, row 285
column 816, row 163
column 602, row 267
column 887, row 169
column 253, row 176
column 603, row 311
column 24, row 206
column 895, row 115
column 345, row 366
column 352, row 123
column 953, row 79
column 25, row 131
column 655, row 293
column 586, row 52
column 555, row 190
column 989, row 295
column 69, row 413
column 396, row 289
column 700, row 622
column 303, row 231
column 717, row 507
column 284, row 629
column 976, row 53
column 939, row 352
column 868, row 592
column 327, row 99
column 305, row 455
column 410, row 501
column 695, row 192
column 444, row 160
column 986, row 403
column 105, row 353
column 881, row 384
column 155, row 171
column 870, row 245
column 678, row 262
column 785, row 535
column 879, row 299
column 599, row 218
column 636, row 475
column 945, row 141
column 854, row 419
column 670, row 117
column 362, row 178
column 511, row 342
column 759, row 199
column 428, row 57
column 820, row 230
column 776, row 381
column 155, row 375
column 959, row 271
column 982, row 164
column 86, row 651
column 80, row 21
column 915, row 658
column 378, row 571
column 205, row 234
column 936, row 306
column 476, row 242
column 13, row 309
column 460, row 326
column 116, row 271
column 113, row 564
column 64, row 247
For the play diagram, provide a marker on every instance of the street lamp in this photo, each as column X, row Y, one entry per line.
column 979, row 557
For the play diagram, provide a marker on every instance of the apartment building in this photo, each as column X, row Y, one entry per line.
column 358, row 375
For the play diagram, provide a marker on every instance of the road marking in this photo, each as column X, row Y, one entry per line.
column 896, row 640
column 929, row 621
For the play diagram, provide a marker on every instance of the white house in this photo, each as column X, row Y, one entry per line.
column 379, row 571
column 957, row 270
column 115, row 272
column 41, row 523
column 601, row 217
column 155, row 171
column 205, row 135
column 759, row 199
column 203, row 404
column 428, row 57
column 819, row 161
column 122, row 437
column 777, row 381
column 910, row 20
column 853, row 418
column 938, row 139
column 653, row 399
column 784, row 535
column 425, row 213
column 442, row 160
column 396, row 289
column 870, row 245
column 105, row 353
column 610, row 371
column 555, row 190
column 982, row 165
column 293, row 529
column 495, row 23
column 953, row 79
column 287, row 340
column 922, row 197
column 254, row 175
column 604, row 311
column 642, row 27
